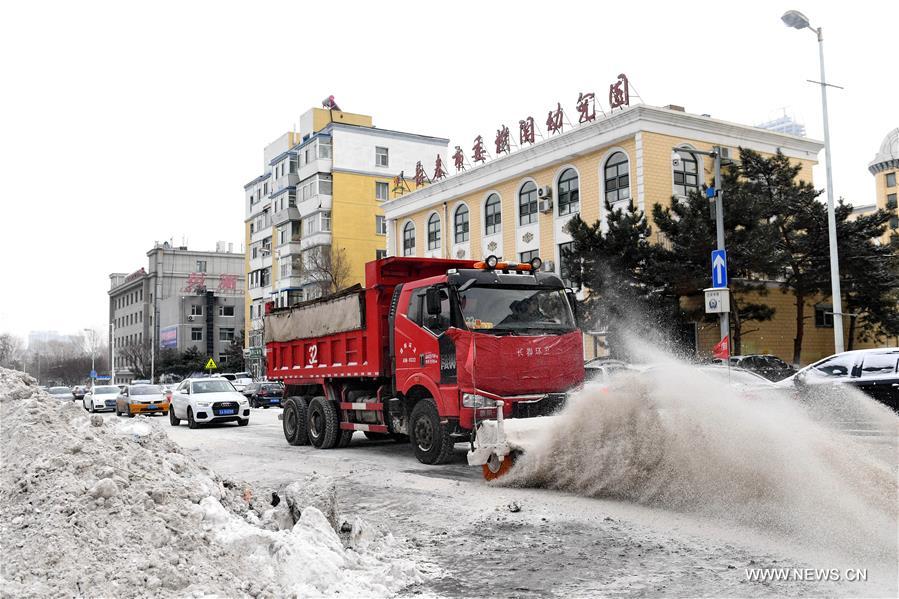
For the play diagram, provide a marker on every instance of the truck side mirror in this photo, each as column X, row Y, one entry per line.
column 432, row 299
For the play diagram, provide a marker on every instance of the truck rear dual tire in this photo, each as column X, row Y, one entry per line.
column 430, row 439
column 323, row 423
column 294, row 421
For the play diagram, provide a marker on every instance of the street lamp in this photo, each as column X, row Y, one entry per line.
column 112, row 353
column 797, row 20
column 93, row 353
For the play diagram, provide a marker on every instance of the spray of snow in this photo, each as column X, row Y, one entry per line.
column 680, row 440
column 93, row 507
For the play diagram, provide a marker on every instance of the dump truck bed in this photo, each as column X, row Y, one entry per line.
column 345, row 334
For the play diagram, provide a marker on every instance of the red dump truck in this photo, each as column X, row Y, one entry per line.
column 427, row 350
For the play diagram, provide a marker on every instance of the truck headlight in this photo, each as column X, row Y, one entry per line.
column 473, row 400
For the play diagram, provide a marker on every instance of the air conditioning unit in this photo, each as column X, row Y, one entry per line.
column 545, row 191
column 190, row 317
column 545, row 206
column 725, row 153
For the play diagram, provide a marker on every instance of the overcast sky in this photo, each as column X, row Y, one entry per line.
column 125, row 123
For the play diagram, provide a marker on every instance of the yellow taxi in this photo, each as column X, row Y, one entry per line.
column 142, row 399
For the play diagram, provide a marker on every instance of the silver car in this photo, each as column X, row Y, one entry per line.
column 61, row 393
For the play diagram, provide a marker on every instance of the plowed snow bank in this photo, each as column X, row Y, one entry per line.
column 93, row 508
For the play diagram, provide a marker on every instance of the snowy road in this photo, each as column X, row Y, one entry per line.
column 556, row 545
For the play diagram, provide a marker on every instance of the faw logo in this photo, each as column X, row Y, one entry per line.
column 448, row 362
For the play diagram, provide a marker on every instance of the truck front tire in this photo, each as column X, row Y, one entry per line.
column 430, row 439
column 294, row 421
column 323, row 423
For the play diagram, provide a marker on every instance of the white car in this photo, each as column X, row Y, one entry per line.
column 241, row 380
column 205, row 400
column 101, row 398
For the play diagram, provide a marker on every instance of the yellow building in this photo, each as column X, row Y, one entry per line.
column 313, row 217
column 516, row 206
column 885, row 168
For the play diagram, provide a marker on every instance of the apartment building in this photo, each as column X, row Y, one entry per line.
column 183, row 298
column 313, row 216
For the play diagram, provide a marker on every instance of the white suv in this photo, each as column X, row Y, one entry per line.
column 204, row 400
column 101, row 397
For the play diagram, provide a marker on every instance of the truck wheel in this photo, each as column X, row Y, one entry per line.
column 294, row 421
column 323, row 425
column 430, row 439
column 345, row 438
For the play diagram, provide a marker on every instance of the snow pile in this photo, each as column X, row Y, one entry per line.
column 683, row 441
column 98, row 507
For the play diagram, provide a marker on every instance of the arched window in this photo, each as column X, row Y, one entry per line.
column 686, row 174
column 434, row 232
column 527, row 204
column 461, row 223
column 493, row 218
column 617, row 179
column 409, row 239
column 569, row 194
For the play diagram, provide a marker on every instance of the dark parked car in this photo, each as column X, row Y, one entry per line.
column 770, row 367
column 873, row 371
column 264, row 395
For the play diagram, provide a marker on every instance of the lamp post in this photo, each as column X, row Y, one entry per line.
column 112, row 353
column 93, row 354
column 797, row 20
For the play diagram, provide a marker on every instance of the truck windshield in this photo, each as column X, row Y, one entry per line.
column 516, row 310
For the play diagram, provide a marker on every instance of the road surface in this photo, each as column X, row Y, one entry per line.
column 464, row 532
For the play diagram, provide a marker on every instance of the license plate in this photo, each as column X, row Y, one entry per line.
column 150, row 408
column 224, row 412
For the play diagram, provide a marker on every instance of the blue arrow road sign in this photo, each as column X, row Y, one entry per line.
column 93, row 374
column 719, row 269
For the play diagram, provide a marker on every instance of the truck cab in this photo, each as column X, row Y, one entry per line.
column 477, row 335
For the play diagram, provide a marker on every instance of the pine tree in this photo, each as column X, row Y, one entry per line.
column 620, row 269
column 688, row 226
column 799, row 220
column 869, row 275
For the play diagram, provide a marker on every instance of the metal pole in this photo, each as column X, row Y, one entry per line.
column 112, row 352
column 719, row 231
column 831, row 217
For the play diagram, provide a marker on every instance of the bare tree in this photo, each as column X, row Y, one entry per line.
column 12, row 351
column 137, row 357
column 327, row 267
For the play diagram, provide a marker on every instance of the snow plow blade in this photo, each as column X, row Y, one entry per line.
column 498, row 443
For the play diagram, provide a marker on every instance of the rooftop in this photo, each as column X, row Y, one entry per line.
column 888, row 156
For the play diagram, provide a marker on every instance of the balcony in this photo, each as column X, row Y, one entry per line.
column 291, row 248
column 320, row 238
column 288, row 214
column 288, row 180
column 314, row 203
